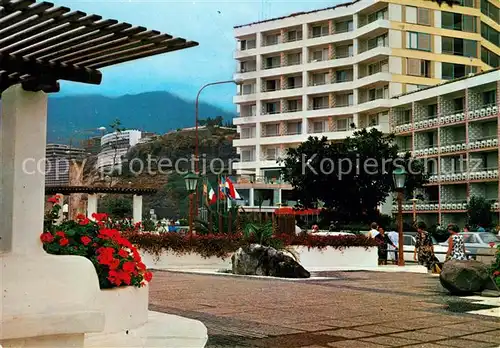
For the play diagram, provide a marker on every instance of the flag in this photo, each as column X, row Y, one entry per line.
column 222, row 188
column 231, row 190
column 211, row 197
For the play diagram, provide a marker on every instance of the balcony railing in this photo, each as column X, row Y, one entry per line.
column 294, row 110
column 247, row 69
column 483, row 111
column 419, row 205
column 320, row 107
column 454, row 146
column 299, row 85
column 429, row 121
column 365, row 47
column 454, row 205
column 270, row 112
column 293, row 133
column 346, row 79
column 319, row 83
column 485, row 142
column 340, row 55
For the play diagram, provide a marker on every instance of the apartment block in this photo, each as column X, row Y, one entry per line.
column 58, row 161
column 454, row 129
column 331, row 71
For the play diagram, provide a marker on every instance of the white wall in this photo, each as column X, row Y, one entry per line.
column 395, row 12
column 395, row 38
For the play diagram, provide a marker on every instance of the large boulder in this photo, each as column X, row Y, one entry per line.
column 464, row 277
column 260, row 260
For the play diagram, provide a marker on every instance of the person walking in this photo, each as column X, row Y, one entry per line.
column 423, row 247
column 456, row 246
column 392, row 249
column 384, row 241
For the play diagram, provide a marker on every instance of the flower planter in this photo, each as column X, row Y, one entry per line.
column 124, row 308
column 332, row 259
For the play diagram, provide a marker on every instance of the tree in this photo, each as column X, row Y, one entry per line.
column 117, row 207
column 351, row 177
column 116, row 126
column 479, row 212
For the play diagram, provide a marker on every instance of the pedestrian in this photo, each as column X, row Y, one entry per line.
column 423, row 247
column 456, row 246
column 480, row 228
column 466, row 229
column 315, row 228
column 384, row 242
column 373, row 230
column 393, row 249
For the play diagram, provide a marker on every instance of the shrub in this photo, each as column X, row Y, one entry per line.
column 116, row 260
column 495, row 268
column 222, row 245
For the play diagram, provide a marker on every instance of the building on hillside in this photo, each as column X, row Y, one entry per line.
column 331, row 71
column 114, row 146
column 92, row 145
column 147, row 137
column 454, row 129
column 58, row 160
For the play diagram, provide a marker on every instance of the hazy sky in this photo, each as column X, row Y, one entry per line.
column 183, row 72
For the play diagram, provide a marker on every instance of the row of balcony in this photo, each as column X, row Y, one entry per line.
column 432, row 206
column 476, row 175
column 433, row 121
column 460, row 146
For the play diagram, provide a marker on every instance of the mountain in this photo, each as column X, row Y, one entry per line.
column 156, row 112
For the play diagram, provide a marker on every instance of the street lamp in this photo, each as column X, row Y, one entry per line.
column 191, row 180
column 414, row 201
column 399, row 177
column 196, row 149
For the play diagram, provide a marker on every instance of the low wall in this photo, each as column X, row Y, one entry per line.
column 331, row 259
column 328, row 259
column 186, row 261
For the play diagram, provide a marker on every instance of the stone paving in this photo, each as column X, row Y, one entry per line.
column 356, row 309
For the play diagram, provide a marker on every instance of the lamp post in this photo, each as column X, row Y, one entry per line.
column 414, row 201
column 191, row 181
column 399, row 177
column 196, row 149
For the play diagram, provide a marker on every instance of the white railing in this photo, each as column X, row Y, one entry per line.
column 483, row 111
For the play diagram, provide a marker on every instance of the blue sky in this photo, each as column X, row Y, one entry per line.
column 183, row 72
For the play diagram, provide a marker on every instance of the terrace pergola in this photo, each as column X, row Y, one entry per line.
column 40, row 45
column 92, row 196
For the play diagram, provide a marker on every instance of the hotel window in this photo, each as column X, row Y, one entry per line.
column 379, row 41
column 343, row 27
column 320, row 103
column 294, row 82
column 248, row 89
column 417, row 15
column 489, row 58
column 247, row 155
column 343, row 75
column 418, row 67
column 320, row 55
column 489, row 98
column 381, row 14
column 248, row 133
column 294, row 128
column 466, row 3
column 294, row 35
column 373, row 120
column 271, row 153
column 294, row 58
column 273, row 62
column 293, row 105
column 320, row 79
column 418, row 41
column 490, row 10
column 319, row 30
column 342, row 124
column 490, row 34
column 343, row 100
column 457, row 21
column 272, row 130
column 454, row 71
column 319, row 126
column 272, row 108
column 272, row 39
column 459, row 47
column 378, row 93
column 406, row 116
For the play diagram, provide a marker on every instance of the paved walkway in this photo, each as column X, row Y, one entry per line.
column 357, row 309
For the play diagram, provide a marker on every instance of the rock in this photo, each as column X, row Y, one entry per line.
column 464, row 277
column 260, row 260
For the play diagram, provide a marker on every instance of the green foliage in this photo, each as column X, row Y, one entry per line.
column 217, row 121
column 351, row 177
column 447, row 2
column 479, row 212
column 261, row 233
column 117, row 207
column 495, row 268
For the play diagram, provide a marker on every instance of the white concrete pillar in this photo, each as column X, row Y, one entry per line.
column 251, row 198
column 91, row 205
column 280, row 202
column 23, row 128
column 137, row 208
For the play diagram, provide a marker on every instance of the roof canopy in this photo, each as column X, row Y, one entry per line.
column 49, row 190
column 40, row 44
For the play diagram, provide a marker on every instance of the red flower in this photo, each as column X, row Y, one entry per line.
column 53, row 199
column 46, row 237
column 80, row 217
column 61, row 234
column 86, row 240
column 148, row 276
column 136, row 255
column 100, row 216
column 123, row 253
column 141, row 266
column 114, row 278
column 64, row 241
column 496, row 273
column 114, row 263
column 129, row 266
column 84, row 222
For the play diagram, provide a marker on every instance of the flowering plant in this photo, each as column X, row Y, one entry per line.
column 116, row 260
column 495, row 268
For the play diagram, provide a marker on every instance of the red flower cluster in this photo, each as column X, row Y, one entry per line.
column 54, row 199
column 117, row 261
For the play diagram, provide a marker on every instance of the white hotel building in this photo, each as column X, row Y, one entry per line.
column 331, row 71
